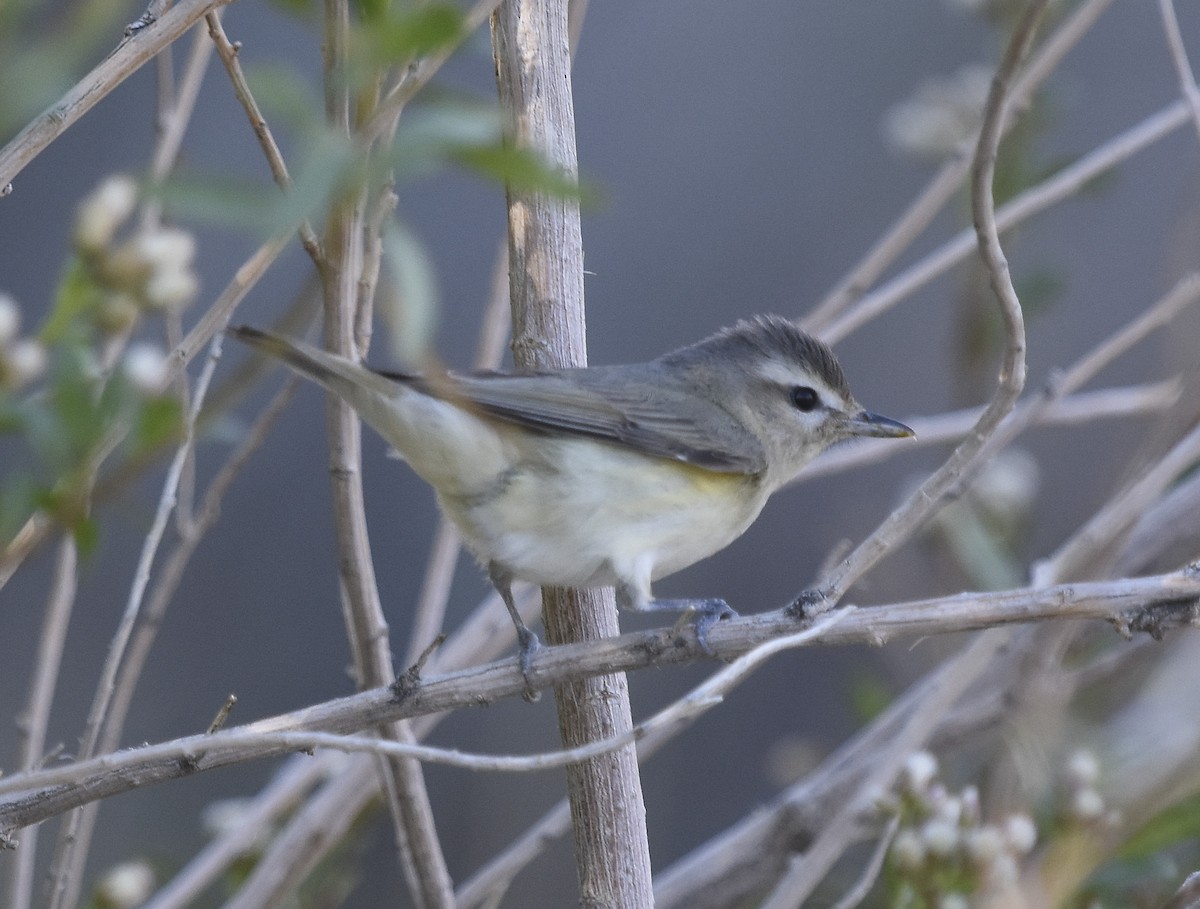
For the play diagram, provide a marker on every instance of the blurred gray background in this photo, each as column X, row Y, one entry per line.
column 743, row 168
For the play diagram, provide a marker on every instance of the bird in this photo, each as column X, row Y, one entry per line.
column 604, row 476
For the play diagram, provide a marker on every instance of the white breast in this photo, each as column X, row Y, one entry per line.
column 583, row 513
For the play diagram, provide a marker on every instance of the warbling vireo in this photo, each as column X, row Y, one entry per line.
column 608, row 475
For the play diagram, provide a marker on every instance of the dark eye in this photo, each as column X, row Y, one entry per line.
column 805, row 399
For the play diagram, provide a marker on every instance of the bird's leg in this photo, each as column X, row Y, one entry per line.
column 700, row 614
column 527, row 642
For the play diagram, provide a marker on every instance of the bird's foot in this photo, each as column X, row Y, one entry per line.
column 701, row 615
column 528, row 645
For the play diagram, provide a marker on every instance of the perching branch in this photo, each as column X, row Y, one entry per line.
column 1153, row 605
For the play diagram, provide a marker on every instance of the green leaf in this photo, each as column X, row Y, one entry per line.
column 87, row 535
column 222, row 201
column 159, row 420
column 409, row 302
column 18, row 500
column 396, row 36
column 519, row 168
column 1177, row 823
column 78, row 295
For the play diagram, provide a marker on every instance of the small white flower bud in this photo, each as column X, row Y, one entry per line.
column 908, row 850
column 102, row 212
column 1003, row 872
column 1083, row 768
column 1087, row 805
column 941, row 839
column 166, row 249
column 146, row 367
column 23, row 362
column 983, row 844
column 171, row 289
column 950, row 810
column 126, row 885
column 117, row 313
column 940, row 114
column 1021, row 833
column 10, row 319
column 224, row 816
column 971, row 811
column 919, row 769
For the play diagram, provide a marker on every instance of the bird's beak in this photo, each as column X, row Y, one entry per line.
column 872, row 424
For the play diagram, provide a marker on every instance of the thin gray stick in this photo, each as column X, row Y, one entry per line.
column 531, row 43
column 283, row 793
column 1179, row 57
column 66, row 872
column 948, row 179
column 36, row 718
column 1064, row 184
column 131, row 54
column 1155, row 603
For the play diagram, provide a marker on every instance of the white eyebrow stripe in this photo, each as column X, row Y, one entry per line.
column 786, row 374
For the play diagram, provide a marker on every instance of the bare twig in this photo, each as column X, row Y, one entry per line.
column 293, row 854
column 130, row 55
column 74, row 838
column 228, row 52
column 1183, row 69
column 1111, row 522
column 943, row 428
column 299, row 776
column 1155, row 603
column 862, row 887
column 417, row 76
column 35, row 720
column 947, row 180
column 418, row 849
column 1064, row 184
column 531, row 44
column 904, row 521
column 790, row 892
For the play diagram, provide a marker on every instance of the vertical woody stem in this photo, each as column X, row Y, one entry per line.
column 531, row 44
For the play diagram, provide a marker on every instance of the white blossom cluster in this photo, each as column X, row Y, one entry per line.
column 940, row 114
column 149, row 269
column 943, row 849
column 22, row 360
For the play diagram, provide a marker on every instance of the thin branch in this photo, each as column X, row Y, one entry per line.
column 418, row 75
column 174, row 116
column 1114, row 520
column 171, row 574
column 950, row 427
column 217, row 316
column 345, row 241
column 948, row 179
column 292, row 854
column 789, row 893
column 228, row 52
column 1183, row 69
column 1154, row 604
column 254, row 827
column 74, row 838
column 134, row 51
column 35, row 720
column 492, row 880
column 905, row 520
column 859, row 892
column 1064, row 184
